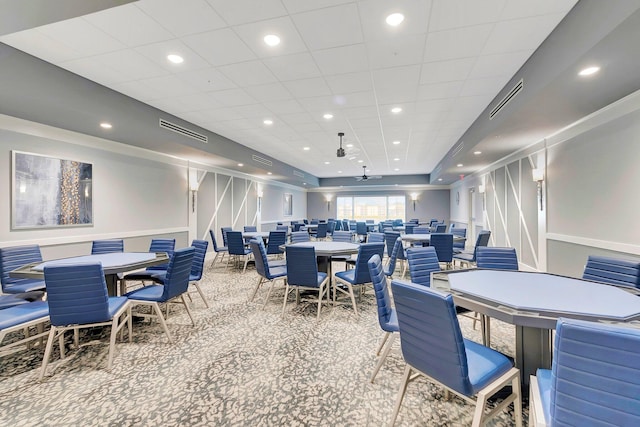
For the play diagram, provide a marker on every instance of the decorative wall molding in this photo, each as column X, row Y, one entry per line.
column 596, row 243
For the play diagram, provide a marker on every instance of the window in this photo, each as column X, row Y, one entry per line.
column 377, row 208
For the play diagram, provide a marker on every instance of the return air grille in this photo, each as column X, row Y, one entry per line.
column 183, row 131
column 457, row 149
column 298, row 173
column 262, row 160
column 507, row 98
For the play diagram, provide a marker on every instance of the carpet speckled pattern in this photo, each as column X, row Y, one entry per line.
column 240, row 366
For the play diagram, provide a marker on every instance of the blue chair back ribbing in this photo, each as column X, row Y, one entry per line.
column 224, row 231
column 366, row 251
column 375, row 238
column 383, row 300
column 443, row 244
column 441, row 228
column 197, row 265
column 276, row 239
column 361, row 228
column 422, row 262
column 390, row 238
column 338, row 226
column 345, row 226
column 459, row 232
column 235, row 243
column 107, row 246
column 302, row 267
column 408, row 228
column 612, row 270
column 14, row 257
column 342, row 236
column 77, row 294
column 284, row 228
column 216, row 248
column 250, row 228
column 162, row 245
column 496, row 258
column 178, row 272
column 421, row 230
column 260, row 257
column 393, row 257
column 321, row 231
column 299, row 237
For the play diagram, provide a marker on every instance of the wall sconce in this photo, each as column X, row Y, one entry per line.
column 194, row 189
column 538, row 177
column 328, row 197
column 481, row 190
column 414, row 199
column 260, row 194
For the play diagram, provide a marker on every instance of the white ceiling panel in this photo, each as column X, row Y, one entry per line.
column 293, row 67
column 306, row 88
column 93, row 40
column 458, row 43
column 499, row 64
column 158, row 52
column 242, row 11
column 87, row 68
column 131, row 64
column 37, row 44
column 183, row 17
column 448, row 14
column 522, row 8
column 447, row 71
column 232, row 97
column 520, row 34
column 167, row 86
column 253, row 35
column 374, row 12
column 219, row 47
column 330, row 27
column 352, row 82
column 347, row 59
column 248, row 73
column 295, row 6
column 397, row 51
column 206, row 80
column 269, row 92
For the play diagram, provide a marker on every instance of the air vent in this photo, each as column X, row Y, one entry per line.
column 262, row 160
column 183, row 131
column 298, row 173
column 508, row 97
column 457, row 149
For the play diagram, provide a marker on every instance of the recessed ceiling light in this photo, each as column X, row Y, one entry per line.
column 396, row 159
column 396, row 110
column 268, row 122
column 460, row 165
column 339, row 171
column 328, row 116
column 477, row 152
column 272, row 40
column 396, row 142
column 240, row 164
column 349, row 145
column 439, row 179
column 327, row 163
column 176, row 59
column 105, row 125
column 307, row 148
column 304, row 183
column 588, row 71
column 352, row 158
column 396, row 169
column 360, row 161
column 269, row 173
column 395, row 19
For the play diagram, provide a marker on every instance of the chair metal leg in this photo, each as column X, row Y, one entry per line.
column 286, row 295
column 197, row 285
column 401, row 392
column 186, row 306
column 382, row 358
column 384, row 340
column 255, row 290
column 112, row 341
column 47, row 352
column 156, row 308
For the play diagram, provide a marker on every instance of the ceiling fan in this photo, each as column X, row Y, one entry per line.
column 340, row 152
column 364, row 176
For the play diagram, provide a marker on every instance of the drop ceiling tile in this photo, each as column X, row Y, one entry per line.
column 219, row 47
column 351, row 82
column 524, row 8
column 359, row 112
column 330, row 27
column 290, row 106
column 307, row 88
column 295, row 6
column 242, row 11
column 208, row 79
column 269, row 92
column 129, row 25
column 458, row 43
column 499, row 64
column 307, row 127
column 446, row 71
column 253, row 35
column 373, row 14
column 134, row 90
column 232, row 97
column 92, row 69
column 520, row 34
column 167, row 86
column 361, row 123
column 397, row 51
column 296, row 118
column 341, row 60
column 396, row 85
column 248, row 73
column 131, row 64
column 37, row 44
column 240, row 124
column 218, row 114
column 254, row 111
column 484, row 86
column 359, row 99
column 183, row 17
column 439, row 90
column 92, row 42
column 158, row 52
column 292, row 67
column 318, row 104
column 448, row 14
column 188, row 103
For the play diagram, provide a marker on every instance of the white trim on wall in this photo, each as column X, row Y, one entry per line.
column 596, row 243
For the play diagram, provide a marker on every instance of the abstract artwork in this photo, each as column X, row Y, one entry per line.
column 288, row 204
column 50, row 192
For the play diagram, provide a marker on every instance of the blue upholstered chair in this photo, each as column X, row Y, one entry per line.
column 361, row 230
column 15, row 257
column 11, row 300
column 342, row 236
column 331, row 227
column 300, row 237
column 393, row 257
column 295, row 226
column 338, row 226
column 440, row 228
column 594, row 378
column 175, row 285
column 276, row 239
column 157, row 245
column 458, row 245
column 613, row 270
column 433, row 345
column 375, row 238
column 217, row 249
column 197, row 267
column 496, row 258
column 107, row 246
column 390, row 238
column 77, row 298
column 387, row 317
column 321, row 232
column 237, row 249
column 408, row 228
column 20, row 317
column 281, row 227
column 423, row 260
column 358, row 276
column 345, row 226
column 302, row 274
column 265, row 271
column 469, row 257
column 443, row 244
column 433, row 222
column 250, row 228
column 421, row 230
column 224, row 231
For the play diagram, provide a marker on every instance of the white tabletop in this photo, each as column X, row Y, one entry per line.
column 331, row 248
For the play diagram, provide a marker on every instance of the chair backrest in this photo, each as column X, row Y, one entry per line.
column 250, row 228
column 197, row 266
column 375, row 238
column 390, row 238
column 443, row 244
column 260, row 257
column 295, row 226
column 441, row 228
column 224, row 231
column 342, row 236
column 430, row 335
column 366, row 251
column 422, row 262
column 420, row 230
column 162, row 245
column 321, row 231
column 397, row 222
column 302, row 267
column 408, row 228
column 612, row 270
column 314, row 221
column 459, row 232
column 276, row 239
column 177, row 279
column 213, row 240
column 497, row 258
column 299, row 236
column 393, row 257
column 481, row 240
column 433, row 222
column 345, row 225
column 107, row 246
column 451, row 227
column 338, row 226
column 15, row 257
column 281, row 227
column 76, row 294
column 595, row 374
column 331, row 226
column 361, row 228
column 383, row 300
column 235, row 243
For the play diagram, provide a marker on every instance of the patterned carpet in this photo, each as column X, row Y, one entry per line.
column 240, row 366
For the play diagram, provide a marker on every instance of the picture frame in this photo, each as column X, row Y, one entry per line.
column 288, row 204
column 49, row 192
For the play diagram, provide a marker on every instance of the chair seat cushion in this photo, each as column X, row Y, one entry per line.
column 144, row 275
column 463, row 256
column 544, row 387
column 25, row 286
column 320, row 278
column 485, row 364
column 222, row 249
column 347, row 275
column 278, row 271
column 392, row 324
column 24, row 313
column 11, row 300
column 148, row 293
column 115, row 304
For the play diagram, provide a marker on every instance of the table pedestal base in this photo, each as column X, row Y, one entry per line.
column 533, row 351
